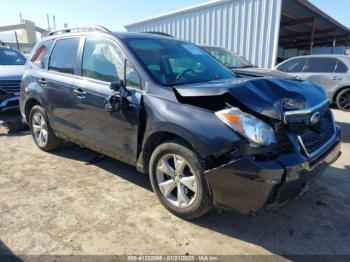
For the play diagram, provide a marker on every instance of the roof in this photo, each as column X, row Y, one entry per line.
column 297, row 18
column 178, row 12
column 324, row 55
column 146, row 35
column 300, row 20
column 305, row 3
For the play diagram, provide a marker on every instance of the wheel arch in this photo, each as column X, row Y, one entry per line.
column 154, row 139
column 29, row 105
column 334, row 98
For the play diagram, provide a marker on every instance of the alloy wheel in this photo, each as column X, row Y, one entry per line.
column 176, row 180
column 344, row 101
column 39, row 128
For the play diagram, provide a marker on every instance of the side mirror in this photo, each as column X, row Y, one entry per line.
column 117, row 85
column 117, row 101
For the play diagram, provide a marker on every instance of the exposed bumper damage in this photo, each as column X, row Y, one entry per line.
column 253, row 187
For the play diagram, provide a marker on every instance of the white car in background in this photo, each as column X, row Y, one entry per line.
column 330, row 71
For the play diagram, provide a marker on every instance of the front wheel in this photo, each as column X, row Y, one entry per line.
column 343, row 100
column 177, row 179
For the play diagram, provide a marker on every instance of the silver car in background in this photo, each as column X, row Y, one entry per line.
column 330, row 71
column 239, row 65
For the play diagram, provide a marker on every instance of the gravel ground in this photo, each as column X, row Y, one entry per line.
column 61, row 204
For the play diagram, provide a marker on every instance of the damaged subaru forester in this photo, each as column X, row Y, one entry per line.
column 206, row 137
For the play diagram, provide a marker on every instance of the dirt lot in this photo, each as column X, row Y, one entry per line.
column 60, row 204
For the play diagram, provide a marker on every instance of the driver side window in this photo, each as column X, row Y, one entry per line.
column 131, row 77
column 102, row 60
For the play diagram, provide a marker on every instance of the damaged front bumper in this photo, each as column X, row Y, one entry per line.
column 253, row 187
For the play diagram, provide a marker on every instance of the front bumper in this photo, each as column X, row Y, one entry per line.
column 252, row 187
column 10, row 101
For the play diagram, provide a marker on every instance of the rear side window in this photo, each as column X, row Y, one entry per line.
column 64, row 56
column 41, row 55
column 321, row 65
column 341, row 68
column 293, row 66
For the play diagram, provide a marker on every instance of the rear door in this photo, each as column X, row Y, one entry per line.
column 58, row 83
column 116, row 133
column 322, row 71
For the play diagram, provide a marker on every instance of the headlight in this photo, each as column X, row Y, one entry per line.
column 258, row 132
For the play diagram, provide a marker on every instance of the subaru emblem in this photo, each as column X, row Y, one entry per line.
column 315, row 118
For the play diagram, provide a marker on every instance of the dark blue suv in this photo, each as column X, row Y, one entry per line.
column 11, row 71
column 205, row 137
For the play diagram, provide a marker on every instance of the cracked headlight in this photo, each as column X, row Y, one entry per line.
column 256, row 131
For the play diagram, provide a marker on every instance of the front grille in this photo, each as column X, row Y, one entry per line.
column 304, row 117
column 312, row 138
column 10, row 86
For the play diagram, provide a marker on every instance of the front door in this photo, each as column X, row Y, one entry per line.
column 111, row 133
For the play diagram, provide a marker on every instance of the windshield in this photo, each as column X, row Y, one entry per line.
column 228, row 58
column 11, row 57
column 172, row 62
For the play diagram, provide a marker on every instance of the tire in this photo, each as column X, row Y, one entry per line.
column 41, row 130
column 182, row 190
column 343, row 100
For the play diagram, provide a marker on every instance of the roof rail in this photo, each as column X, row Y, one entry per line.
column 81, row 29
column 157, row 33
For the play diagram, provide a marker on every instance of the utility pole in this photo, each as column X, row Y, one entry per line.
column 17, row 42
column 48, row 23
column 54, row 22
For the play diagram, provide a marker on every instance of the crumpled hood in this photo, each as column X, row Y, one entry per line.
column 254, row 71
column 261, row 95
column 11, row 72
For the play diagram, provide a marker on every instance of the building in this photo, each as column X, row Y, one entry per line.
column 21, row 36
column 259, row 30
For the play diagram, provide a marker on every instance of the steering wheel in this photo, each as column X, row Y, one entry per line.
column 183, row 73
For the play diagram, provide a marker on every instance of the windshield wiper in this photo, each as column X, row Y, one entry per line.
column 190, row 83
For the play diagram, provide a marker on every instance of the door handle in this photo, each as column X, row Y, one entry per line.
column 42, row 81
column 80, row 92
column 336, row 78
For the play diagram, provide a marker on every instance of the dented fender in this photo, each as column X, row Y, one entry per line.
column 199, row 127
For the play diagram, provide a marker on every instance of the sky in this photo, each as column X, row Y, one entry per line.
column 115, row 14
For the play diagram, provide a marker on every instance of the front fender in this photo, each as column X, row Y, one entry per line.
column 199, row 127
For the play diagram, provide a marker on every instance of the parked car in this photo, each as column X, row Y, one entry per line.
column 11, row 70
column 240, row 65
column 330, row 71
column 204, row 136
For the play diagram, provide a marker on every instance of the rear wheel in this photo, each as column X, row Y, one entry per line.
column 343, row 100
column 177, row 179
column 42, row 132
